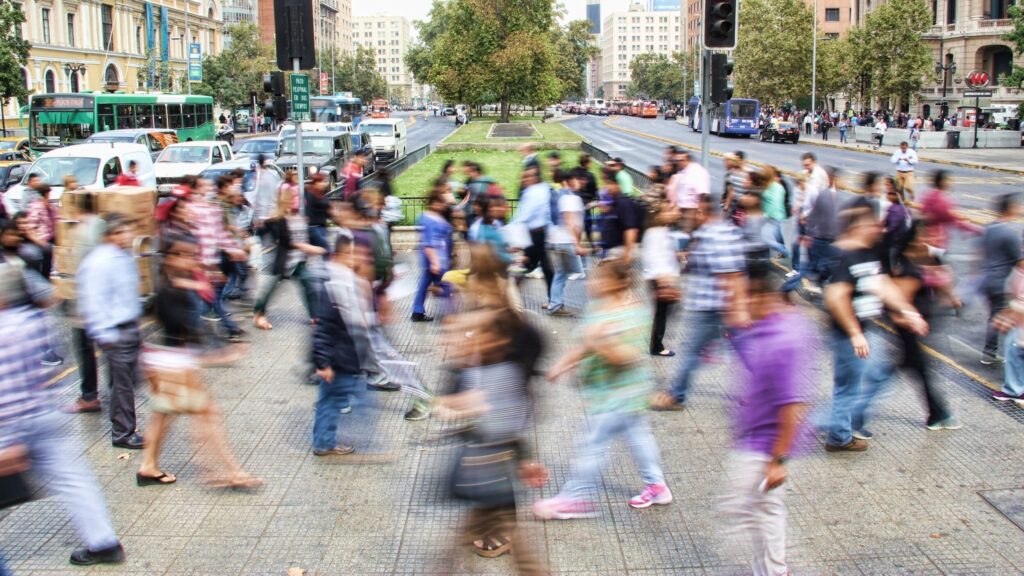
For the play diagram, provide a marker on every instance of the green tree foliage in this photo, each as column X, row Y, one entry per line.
column 575, row 47
column 358, row 74
column 13, row 52
column 900, row 61
column 1016, row 36
column 238, row 70
column 773, row 53
column 496, row 51
column 657, row 77
column 418, row 58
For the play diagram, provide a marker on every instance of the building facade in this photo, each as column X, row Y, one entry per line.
column 99, row 45
column 626, row 35
column 390, row 37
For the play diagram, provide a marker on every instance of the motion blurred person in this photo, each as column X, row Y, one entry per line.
column 661, row 271
column 534, row 212
column 615, row 376
column 686, row 187
column 108, row 300
column 32, row 432
column 435, row 242
column 768, row 416
column 587, row 193
column 316, row 210
column 819, row 220
column 620, row 220
column 564, row 244
column 1001, row 245
column 88, row 234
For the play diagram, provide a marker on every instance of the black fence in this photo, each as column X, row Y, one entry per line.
column 413, row 207
column 394, row 169
column 640, row 178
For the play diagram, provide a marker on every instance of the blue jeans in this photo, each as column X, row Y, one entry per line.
column 333, row 397
column 1013, row 376
column 704, row 327
column 427, row 278
column 846, row 393
column 237, row 277
column 842, row 135
column 218, row 308
column 59, row 463
column 566, row 262
column 820, row 259
column 878, row 373
column 318, row 237
column 593, row 454
column 771, row 235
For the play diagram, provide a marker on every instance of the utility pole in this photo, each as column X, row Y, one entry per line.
column 814, row 58
column 298, row 147
column 187, row 45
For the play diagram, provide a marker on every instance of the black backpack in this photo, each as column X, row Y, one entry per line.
column 788, row 197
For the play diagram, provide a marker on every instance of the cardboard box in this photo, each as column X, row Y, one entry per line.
column 64, row 287
column 144, row 227
column 65, row 232
column 130, row 201
column 72, row 204
column 146, row 274
column 64, row 260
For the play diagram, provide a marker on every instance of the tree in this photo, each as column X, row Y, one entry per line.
column 575, row 48
column 773, row 52
column 656, row 77
column 419, row 57
column 13, row 54
column 358, row 74
column 496, row 50
column 1016, row 36
column 901, row 62
column 238, row 70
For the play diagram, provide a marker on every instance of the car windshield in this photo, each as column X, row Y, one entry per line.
column 311, row 145
column 186, row 154
column 110, row 138
column 376, row 129
column 259, row 147
column 53, row 170
column 7, row 144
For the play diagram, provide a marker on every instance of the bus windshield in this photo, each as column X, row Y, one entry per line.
column 54, row 128
column 53, row 170
column 743, row 109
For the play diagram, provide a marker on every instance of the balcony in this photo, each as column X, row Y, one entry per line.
column 331, row 5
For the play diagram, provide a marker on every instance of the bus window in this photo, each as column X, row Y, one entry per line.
column 174, row 115
column 125, row 116
column 160, row 116
column 742, row 109
column 144, row 115
column 209, row 114
column 106, row 117
column 189, row 111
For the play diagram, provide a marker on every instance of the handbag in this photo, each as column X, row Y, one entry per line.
column 483, row 473
column 175, row 379
column 14, row 490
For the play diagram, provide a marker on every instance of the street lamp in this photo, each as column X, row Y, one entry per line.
column 70, row 69
column 946, row 70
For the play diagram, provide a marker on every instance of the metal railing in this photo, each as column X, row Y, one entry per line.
column 413, row 207
column 394, row 169
column 640, row 179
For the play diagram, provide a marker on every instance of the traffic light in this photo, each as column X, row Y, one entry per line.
column 273, row 83
column 721, row 81
column 280, row 107
column 720, row 24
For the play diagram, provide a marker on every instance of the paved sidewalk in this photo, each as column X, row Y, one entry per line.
column 910, row 505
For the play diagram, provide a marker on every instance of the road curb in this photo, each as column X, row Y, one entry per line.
column 714, row 154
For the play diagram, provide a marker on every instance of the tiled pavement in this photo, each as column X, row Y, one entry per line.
column 909, row 505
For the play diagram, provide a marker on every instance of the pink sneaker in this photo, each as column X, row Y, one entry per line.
column 560, row 508
column 652, row 494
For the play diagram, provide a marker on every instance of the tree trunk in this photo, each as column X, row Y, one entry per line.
column 505, row 105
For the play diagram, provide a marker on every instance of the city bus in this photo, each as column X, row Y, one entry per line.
column 57, row 120
column 380, row 108
column 337, row 108
column 737, row 117
column 596, row 105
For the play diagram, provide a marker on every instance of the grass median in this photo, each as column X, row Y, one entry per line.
column 476, row 132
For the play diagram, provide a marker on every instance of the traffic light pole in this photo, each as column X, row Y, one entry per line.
column 705, row 98
column 298, row 150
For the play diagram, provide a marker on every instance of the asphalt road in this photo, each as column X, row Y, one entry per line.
column 956, row 341
column 430, row 132
column 975, row 189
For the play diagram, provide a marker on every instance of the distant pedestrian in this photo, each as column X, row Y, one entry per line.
column 435, row 240
column 905, row 161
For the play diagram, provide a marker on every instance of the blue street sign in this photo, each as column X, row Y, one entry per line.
column 195, row 62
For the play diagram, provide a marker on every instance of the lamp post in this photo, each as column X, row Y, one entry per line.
column 946, row 70
column 70, row 69
column 814, row 57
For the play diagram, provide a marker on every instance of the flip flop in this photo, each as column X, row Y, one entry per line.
column 492, row 546
column 163, row 479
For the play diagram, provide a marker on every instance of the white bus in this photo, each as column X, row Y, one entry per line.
column 595, row 104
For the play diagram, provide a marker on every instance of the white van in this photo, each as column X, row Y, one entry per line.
column 95, row 166
column 388, row 136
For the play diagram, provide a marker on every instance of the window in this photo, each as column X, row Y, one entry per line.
column 71, row 30
column 174, row 114
column 138, row 40
column 144, row 115
column 190, row 115
column 832, row 35
column 935, row 12
column 51, row 82
column 831, row 14
column 106, row 114
column 160, row 116
column 125, row 116
column 950, row 11
column 107, row 19
column 44, row 23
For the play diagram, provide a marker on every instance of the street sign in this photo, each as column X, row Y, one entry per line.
column 195, row 62
column 300, row 96
column 323, row 83
column 978, row 94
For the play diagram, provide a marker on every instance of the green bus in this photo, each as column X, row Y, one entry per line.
column 57, row 120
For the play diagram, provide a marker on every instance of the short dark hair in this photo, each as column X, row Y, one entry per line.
column 584, row 160
column 809, row 156
column 1007, row 201
column 940, row 178
column 132, row 164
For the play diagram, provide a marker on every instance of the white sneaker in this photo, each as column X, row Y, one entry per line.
column 577, row 276
column 536, row 273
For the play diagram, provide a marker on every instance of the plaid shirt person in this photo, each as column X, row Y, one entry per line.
column 25, row 336
column 207, row 219
column 717, row 249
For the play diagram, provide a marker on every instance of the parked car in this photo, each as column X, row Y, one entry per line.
column 246, row 165
column 95, row 166
column 388, row 136
column 225, row 134
column 156, row 139
column 780, row 132
column 670, row 113
column 188, row 158
column 14, row 148
column 11, row 172
column 253, row 147
column 323, row 152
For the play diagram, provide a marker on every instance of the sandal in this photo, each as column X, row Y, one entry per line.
column 492, row 546
column 242, row 482
column 261, row 323
column 664, row 402
column 161, row 479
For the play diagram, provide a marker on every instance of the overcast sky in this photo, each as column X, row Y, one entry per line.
column 418, row 9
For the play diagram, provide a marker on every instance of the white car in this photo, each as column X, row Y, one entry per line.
column 188, row 159
column 95, row 166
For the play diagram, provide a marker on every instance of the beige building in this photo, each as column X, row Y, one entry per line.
column 626, row 35
column 97, row 45
column 390, row 37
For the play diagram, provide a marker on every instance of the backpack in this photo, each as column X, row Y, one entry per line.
column 554, row 195
column 788, row 197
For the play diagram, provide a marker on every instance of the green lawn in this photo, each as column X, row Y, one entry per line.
column 476, row 132
column 504, row 167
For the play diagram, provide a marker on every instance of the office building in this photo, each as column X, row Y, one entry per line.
column 594, row 16
column 627, row 35
column 390, row 38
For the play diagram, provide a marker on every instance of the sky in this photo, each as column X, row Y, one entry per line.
column 418, row 9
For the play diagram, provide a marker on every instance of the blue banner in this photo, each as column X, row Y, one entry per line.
column 164, row 37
